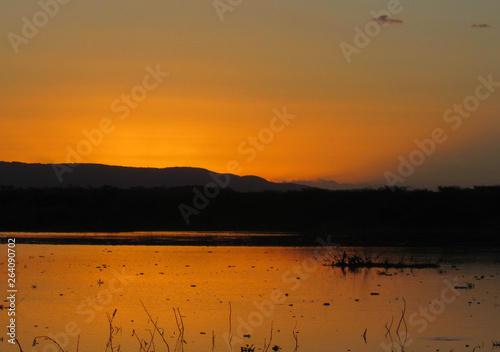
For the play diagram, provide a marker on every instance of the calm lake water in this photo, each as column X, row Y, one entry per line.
column 66, row 291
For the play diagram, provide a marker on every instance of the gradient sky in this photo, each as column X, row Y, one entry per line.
column 226, row 77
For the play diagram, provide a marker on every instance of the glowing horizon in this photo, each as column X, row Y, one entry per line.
column 226, row 79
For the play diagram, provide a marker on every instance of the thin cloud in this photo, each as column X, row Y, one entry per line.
column 386, row 20
column 484, row 25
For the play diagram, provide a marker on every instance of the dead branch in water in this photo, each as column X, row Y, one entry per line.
column 180, row 326
column 141, row 341
column 152, row 340
column 402, row 342
column 402, row 322
column 388, row 328
column 230, row 327
column 112, row 331
column 161, row 333
column 213, row 340
column 266, row 346
column 35, row 342
column 295, row 337
column 17, row 342
column 349, row 259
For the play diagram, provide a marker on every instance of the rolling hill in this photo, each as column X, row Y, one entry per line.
column 22, row 175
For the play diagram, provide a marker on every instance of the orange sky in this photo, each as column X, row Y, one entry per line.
column 352, row 121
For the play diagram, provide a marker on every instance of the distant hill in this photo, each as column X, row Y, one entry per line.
column 22, row 175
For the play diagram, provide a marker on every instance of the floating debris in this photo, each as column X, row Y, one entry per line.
column 355, row 262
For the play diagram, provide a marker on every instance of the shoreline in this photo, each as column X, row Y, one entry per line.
column 440, row 238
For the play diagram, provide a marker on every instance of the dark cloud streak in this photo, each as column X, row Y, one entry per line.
column 386, row 20
column 484, row 25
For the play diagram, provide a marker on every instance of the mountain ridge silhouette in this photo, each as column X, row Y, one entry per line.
column 30, row 175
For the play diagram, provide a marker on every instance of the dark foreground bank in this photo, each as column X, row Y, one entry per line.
column 450, row 216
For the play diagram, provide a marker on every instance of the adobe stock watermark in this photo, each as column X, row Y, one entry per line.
column 372, row 29
column 87, row 309
column 31, row 26
column 265, row 309
column 120, row 106
column 250, row 148
column 424, row 316
column 223, row 6
column 455, row 115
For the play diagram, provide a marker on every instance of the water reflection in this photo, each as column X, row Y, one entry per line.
column 204, row 298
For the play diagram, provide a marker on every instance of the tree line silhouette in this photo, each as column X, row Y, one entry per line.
column 450, row 215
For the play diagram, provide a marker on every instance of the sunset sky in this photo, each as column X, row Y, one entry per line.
column 227, row 78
